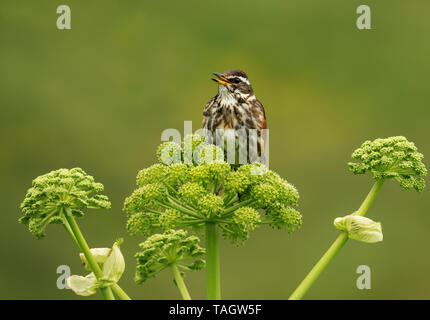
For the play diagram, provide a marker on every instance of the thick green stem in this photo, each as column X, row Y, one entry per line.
column 319, row 267
column 180, row 282
column 82, row 243
column 370, row 197
column 213, row 284
column 334, row 248
column 71, row 234
column 119, row 292
column 115, row 288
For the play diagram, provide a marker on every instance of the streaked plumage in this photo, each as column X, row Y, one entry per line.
column 235, row 107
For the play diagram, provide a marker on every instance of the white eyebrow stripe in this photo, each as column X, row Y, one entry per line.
column 244, row 80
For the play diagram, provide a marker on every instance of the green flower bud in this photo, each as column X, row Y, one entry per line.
column 53, row 193
column 112, row 263
column 244, row 220
column 155, row 173
column 391, row 158
column 265, row 194
column 169, row 218
column 177, row 174
column 160, row 251
column 146, row 196
column 236, row 182
column 191, row 192
column 83, row 286
column 360, row 228
column 99, row 254
column 210, row 205
column 142, row 223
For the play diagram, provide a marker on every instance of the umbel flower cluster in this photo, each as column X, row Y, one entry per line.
column 393, row 157
column 53, row 193
column 161, row 251
column 390, row 158
column 190, row 188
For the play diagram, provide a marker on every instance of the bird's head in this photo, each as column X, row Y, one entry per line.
column 233, row 81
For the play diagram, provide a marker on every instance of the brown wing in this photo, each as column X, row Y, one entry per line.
column 207, row 113
column 260, row 115
column 261, row 124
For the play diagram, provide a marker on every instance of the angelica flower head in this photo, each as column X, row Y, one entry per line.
column 161, row 251
column 53, row 193
column 174, row 194
column 391, row 158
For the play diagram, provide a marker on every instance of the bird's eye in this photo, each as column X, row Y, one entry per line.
column 235, row 80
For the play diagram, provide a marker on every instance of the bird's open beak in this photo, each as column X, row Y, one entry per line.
column 220, row 79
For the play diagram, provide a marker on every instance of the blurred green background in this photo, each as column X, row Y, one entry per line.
column 98, row 96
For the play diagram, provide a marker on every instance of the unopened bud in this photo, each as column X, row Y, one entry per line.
column 360, row 228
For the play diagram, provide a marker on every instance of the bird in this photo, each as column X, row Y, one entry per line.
column 235, row 113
